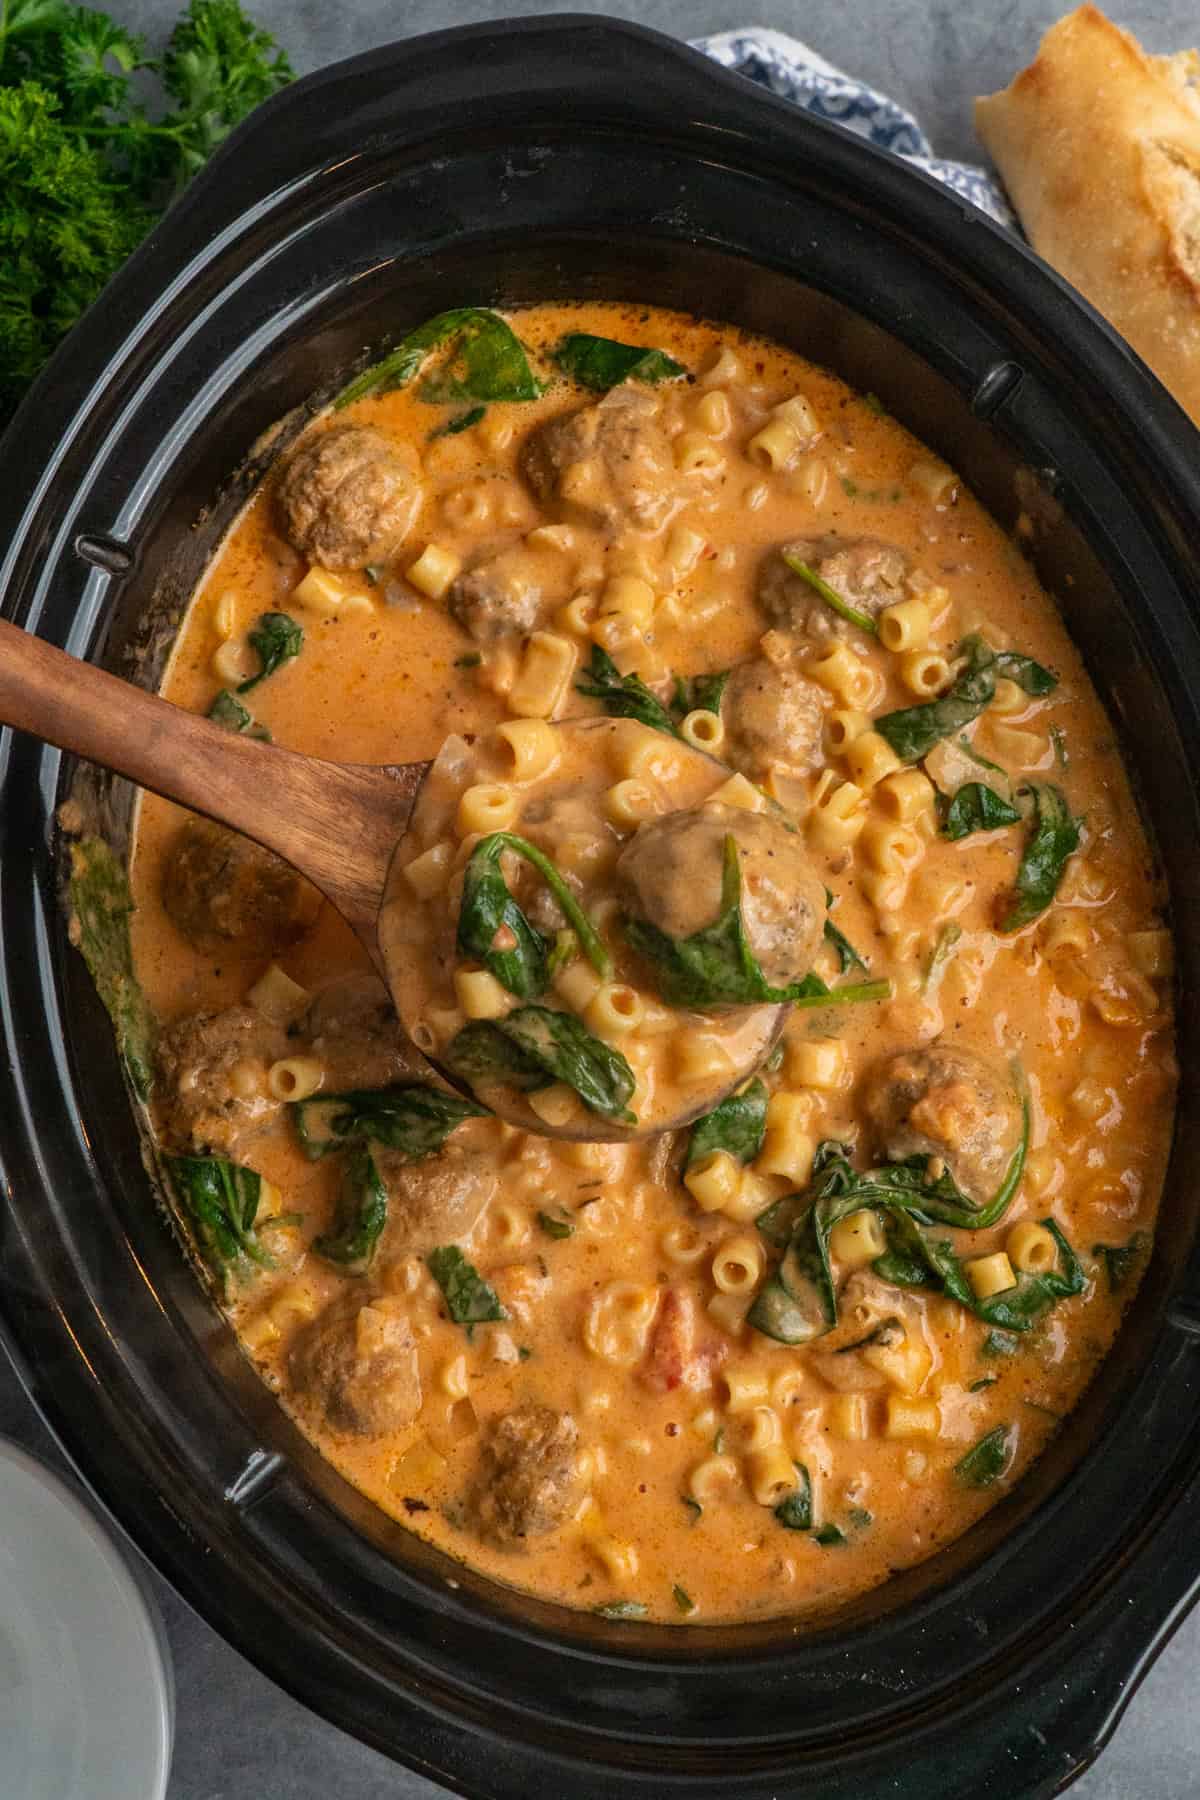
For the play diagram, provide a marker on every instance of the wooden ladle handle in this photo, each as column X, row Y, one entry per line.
column 338, row 823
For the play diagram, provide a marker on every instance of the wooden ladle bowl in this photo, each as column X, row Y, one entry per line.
column 337, row 824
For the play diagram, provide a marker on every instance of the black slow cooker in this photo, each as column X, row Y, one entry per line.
column 533, row 159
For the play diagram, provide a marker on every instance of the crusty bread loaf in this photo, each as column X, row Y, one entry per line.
column 1099, row 147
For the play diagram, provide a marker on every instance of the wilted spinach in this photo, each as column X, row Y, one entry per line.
column 1120, row 1260
column 408, row 1117
column 220, row 1200
column 977, row 807
column 361, row 1214
column 276, row 639
column 602, row 363
column 699, row 693
column 829, row 595
column 796, row 1512
column 533, row 1046
column 623, row 696
column 228, row 712
column 484, row 361
column 1055, row 839
column 487, row 909
column 470, row 1300
column 913, row 731
column 736, row 1125
column 987, row 1460
column 101, row 903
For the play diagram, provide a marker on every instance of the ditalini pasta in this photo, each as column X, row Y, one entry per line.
column 748, row 1360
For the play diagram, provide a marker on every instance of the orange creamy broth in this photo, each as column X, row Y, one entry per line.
column 383, row 686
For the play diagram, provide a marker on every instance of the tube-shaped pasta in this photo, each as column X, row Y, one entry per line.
column 843, row 726
column 643, row 754
column 623, row 641
column 628, row 597
column 1024, row 749
column 818, row 1063
column 617, row 1557
column 714, row 1180
column 428, row 874
column 488, row 806
column 761, row 1428
column 510, row 1226
column 924, row 673
column 787, row 1147
column 934, row 480
column 323, row 593
column 729, row 1312
column 849, row 1417
column 682, row 1243
column 295, row 1077
column 1009, row 699
column 712, row 414
column 885, row 890
column 907, row 796
column 743, row 1387
column 990, row 1275
column 534, row 745
column 577, row 615
column 618, row 1322
column 578, row 984
column 699, row 1057
column 480, row 995
column 857, row 1240
column 837, row 817
column 904, row 626
column 846, row 676
column 712, row 1478
column 452, row 1378
column 739, row 792
column 1031, row 1248
column 771, row 1474
column 892, row 848
column 555, row 1105
column 614, row 1009
column 903, row 1360
column 628, row 802
column 541, row 679
column 278, row 996
column 233, row 662
column 224, row 612
column 433, row 571
column 551, row 537
column 725, row 370
column 737, row 1265
column 908, row 1418
column 870, row 758
column 704, row 731
column 696, row 454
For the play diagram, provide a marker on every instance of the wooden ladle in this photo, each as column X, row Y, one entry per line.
column 338, row 824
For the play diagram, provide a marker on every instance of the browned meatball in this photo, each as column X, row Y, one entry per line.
column 530, row 1479
column 231, row 898
column 867, row 572
column 213, row 1077
column 348, row 497
column 773, row 719
column 355, row 1033
column 435, row 1201
column 505, row 595
column 356, row 1366
column 951, row 1104
column 671, row 869
column 607, row 465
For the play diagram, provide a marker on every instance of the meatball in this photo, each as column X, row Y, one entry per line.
column 231, row 898
column 348, row 497
column 607, row 465
column 671, row 871
column 213, row 1073
column 357, row 1367
column 505, row 595
column 773, row 719
column 354, row 1031
column 867, row 572
column 950, row 1104
column 530, row 1480
column 435, row 1201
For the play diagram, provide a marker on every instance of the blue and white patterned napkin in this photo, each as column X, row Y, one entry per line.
column 786, row 67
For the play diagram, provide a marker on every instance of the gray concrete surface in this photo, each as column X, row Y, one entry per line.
column 238, row 1736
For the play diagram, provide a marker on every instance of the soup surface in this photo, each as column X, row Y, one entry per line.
column 755, row 1366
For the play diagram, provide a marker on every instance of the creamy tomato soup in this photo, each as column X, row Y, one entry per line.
column 754, row 1365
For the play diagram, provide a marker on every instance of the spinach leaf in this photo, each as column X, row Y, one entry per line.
column 276, row 640
column 563, row 951
column 830, row 596
column 976, row 807
column 228, row 712
column 914, row 730
column 848, row 957
column 220, row 1200
column 567, row 1051
column 1018, row 1308
column 829, row 1537
column 1055, row 839
column 101, row 905
column 601, row 363
column 987, row 1460
column 941, row 954
column 1061, row 754
column 461, row 422
column 1120, row 1260
column 784, row 1317
column 487, row 908
column 361, row 1214
column 485, row 361
column 683, row 1599
column 795, row 1513
column 716, row 967
column 469, row 1299
column 408, row 1117
column 999, row 1343
column 736, row 1125
column 481, row 1054
column 699, row 693
column 556, row 1225
column 985, row 1381
column 623, row 696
